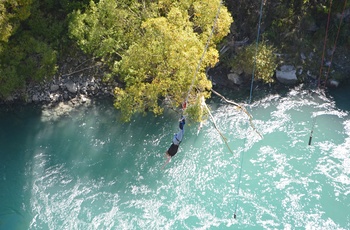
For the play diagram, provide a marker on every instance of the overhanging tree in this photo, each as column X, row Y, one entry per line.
column 158, row 47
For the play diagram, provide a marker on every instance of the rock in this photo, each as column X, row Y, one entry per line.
column 235, row 78
column 313, row 28
column 333, row 83
column 65, row 95
column 330, row 52
column 84, row 84
column 287, row 75
column 311, row 55
column 309, row 74
column 92, row 81
column 54, row 97
column 71, row 87
column 287, row 68
column 10, row 98
column 35, row 98
column 300, row 71
column 54, row 87
column 84, row 100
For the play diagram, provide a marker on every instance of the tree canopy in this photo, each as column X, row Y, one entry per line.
column 31, row 34
column 154, row 48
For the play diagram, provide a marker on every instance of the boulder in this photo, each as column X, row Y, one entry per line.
column 287, row 75
column 35, row 98
column 71, row 87
column 333, row 83
column 10, row 98
column 54, row 87
column 235, row 78
column 65, row 95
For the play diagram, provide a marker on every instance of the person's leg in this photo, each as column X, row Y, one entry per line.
column 167, row 160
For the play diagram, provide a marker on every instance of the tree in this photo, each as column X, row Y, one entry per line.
column 161, row 65
column 25, row 59
column 154, row 48
column 29, row 30
column 12, row 12
column 106, row 29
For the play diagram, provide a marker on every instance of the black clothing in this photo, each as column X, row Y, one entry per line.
column 173, row 149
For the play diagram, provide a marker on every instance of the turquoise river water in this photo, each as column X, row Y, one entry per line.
column 86, row 170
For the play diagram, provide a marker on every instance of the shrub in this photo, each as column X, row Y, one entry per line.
column 266, row 61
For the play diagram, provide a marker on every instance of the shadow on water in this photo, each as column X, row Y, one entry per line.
column 89, row 145
column 341, row 96
column 18, row 130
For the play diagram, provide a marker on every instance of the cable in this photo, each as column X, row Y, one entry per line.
column 256, row 51
column 204, row 51
column 335, row 43
column 324, row 43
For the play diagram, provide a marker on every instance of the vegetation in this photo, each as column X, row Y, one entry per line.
column 264, row 61
column 153, row 48
column 31, row 36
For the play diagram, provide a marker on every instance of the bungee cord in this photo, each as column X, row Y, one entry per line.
column 325, row 42
column 335, row 43
column 323, row 55
column 250, row 117
column 203, row 54
column 256, row 51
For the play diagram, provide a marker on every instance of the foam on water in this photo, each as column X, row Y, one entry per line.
column 88, row 171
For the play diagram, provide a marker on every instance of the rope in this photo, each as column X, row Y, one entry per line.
column 242, row 108
column 217, row 129
column 250, row 99
column 204, row 51
column 325, row 42
column 335, row 43
column 256, row 51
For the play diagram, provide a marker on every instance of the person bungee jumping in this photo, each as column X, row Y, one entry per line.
column 176, row 141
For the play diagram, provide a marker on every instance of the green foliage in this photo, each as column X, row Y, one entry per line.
column 12, row 12
column 9, row 81
column 46, row 26
column 106, row 29
column 266, row 61
column 154, row 47
column 25, row 59
column 32, row 32
column 162, row 65
column 70, row 5
column 204, row 12
column 196, row 111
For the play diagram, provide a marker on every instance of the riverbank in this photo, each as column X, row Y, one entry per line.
column 80, row 80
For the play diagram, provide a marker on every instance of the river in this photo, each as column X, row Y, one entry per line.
column 87, row 170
